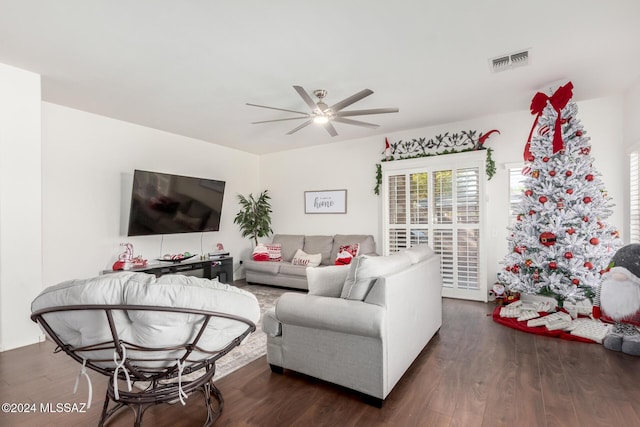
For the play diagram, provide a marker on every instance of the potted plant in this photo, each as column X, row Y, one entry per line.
column 254, row 218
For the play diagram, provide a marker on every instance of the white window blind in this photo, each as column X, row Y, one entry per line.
column 634, row 197
column 516, row 190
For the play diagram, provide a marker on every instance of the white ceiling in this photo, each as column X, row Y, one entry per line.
column 188, row 67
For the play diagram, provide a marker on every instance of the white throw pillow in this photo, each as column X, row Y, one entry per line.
column 365, row 270
column 303, row 258
column 419, row 253
column 327, row 281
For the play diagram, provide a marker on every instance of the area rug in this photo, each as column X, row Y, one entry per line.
column 256, row 345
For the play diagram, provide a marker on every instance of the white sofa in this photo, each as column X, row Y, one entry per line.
column 285, row 274
column 360, row 326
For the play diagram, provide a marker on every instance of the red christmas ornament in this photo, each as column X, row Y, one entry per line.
column 519, row 249
column 585, row 150
column 508, row 268
column 575, row 282
column 585, row 218
column 563, row 121
column 528, row 193
column 552, row 173
column 553, row 265
column 515, row 269
column 569, row 190
column 528, row 263
column 543, row 130
column 547, row 238
column 543, row 199
column 579, row 133
column 536, row 275
column 594, row 241
column 532, row 212
column 587, row 199
column 568, row 173
column 571, row 231
column 560, row 204
column 589, row 177
column 588, row 265
column 519, row 217
column 568, row 255
column 545, row 159
column 535, row 174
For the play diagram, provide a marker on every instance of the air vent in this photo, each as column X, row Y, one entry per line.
column 506, row 62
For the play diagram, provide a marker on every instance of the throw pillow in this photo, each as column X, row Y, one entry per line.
column 275, row 251
column 346, row 253
column 303, row 258
column 365, row 270
column 260, row 253
column 327, row 281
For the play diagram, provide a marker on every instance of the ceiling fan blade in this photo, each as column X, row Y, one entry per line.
column 278, row 120
column 367, row 112
column 279, row 109
column 307, row 123
column 329, row 127
column 307, row 99
column 350, row 100
column 355, row 122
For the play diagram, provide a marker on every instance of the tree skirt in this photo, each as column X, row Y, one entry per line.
column 538, row 330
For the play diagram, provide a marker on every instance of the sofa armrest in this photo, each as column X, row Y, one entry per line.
column 270, row 324
column 334, row 314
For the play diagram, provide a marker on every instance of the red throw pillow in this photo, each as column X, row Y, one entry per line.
column 346, row 254
column 260, row 253
column 275, row 252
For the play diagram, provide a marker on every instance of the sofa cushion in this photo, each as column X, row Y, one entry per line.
column 290, row 244
column 366, row 242
column 260, row 253
column 320, row 244
column 308, row 260
column 293, row 270
column 365, row 270
column 419, row 253
column 327, row 281
column 263, row 267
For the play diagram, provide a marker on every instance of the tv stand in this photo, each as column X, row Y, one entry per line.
column 220, row 267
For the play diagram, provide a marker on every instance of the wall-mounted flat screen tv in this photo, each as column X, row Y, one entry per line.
column 166, row 204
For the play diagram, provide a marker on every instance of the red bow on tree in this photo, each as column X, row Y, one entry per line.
column 558, row 101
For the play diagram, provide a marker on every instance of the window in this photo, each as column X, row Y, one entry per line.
column 427, row 200
column 516, row 189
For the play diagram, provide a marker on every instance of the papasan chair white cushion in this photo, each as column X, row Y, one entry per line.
column 165, row 333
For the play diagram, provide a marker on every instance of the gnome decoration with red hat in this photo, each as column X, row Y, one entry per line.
column 618, row 300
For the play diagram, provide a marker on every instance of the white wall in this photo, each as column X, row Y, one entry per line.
column 20, row 205
column 351, row 165
column 85, row 158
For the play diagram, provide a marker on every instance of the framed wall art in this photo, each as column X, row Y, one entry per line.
column 325, row 202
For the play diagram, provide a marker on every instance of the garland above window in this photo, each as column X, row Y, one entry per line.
column 442, row 144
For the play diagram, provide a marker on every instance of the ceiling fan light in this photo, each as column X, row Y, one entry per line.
column 320, row 120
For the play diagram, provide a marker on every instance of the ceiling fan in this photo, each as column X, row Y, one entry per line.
column 323, row 114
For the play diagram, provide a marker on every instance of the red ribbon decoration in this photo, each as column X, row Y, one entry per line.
column 558, row 101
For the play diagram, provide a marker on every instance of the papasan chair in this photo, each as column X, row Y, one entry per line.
column 157, row 339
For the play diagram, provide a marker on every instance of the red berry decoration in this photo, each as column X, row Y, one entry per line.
column 545, row 159
column 568, row 173
column 579, row 133
column 594, row 241
column 589, row 177
column 587, row 199
column 575, row 282
column 569, row 190
column 588, row 265
column 543, row 199
column 571, row 231
column 568, row 255
column 528, row 193
column 553, row 265
column 552, row 173
column 515, row 269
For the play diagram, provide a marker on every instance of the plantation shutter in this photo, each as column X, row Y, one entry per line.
column 427, row 200
column 634, row 197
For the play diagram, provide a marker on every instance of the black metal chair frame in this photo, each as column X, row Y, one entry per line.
column 162, row 385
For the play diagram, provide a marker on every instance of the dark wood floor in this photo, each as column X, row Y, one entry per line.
column 473, row 373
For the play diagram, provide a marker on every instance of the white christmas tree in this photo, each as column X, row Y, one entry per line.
column 560, row 244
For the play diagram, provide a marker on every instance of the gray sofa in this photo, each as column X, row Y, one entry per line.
column 285, row 274
column 361, row 326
